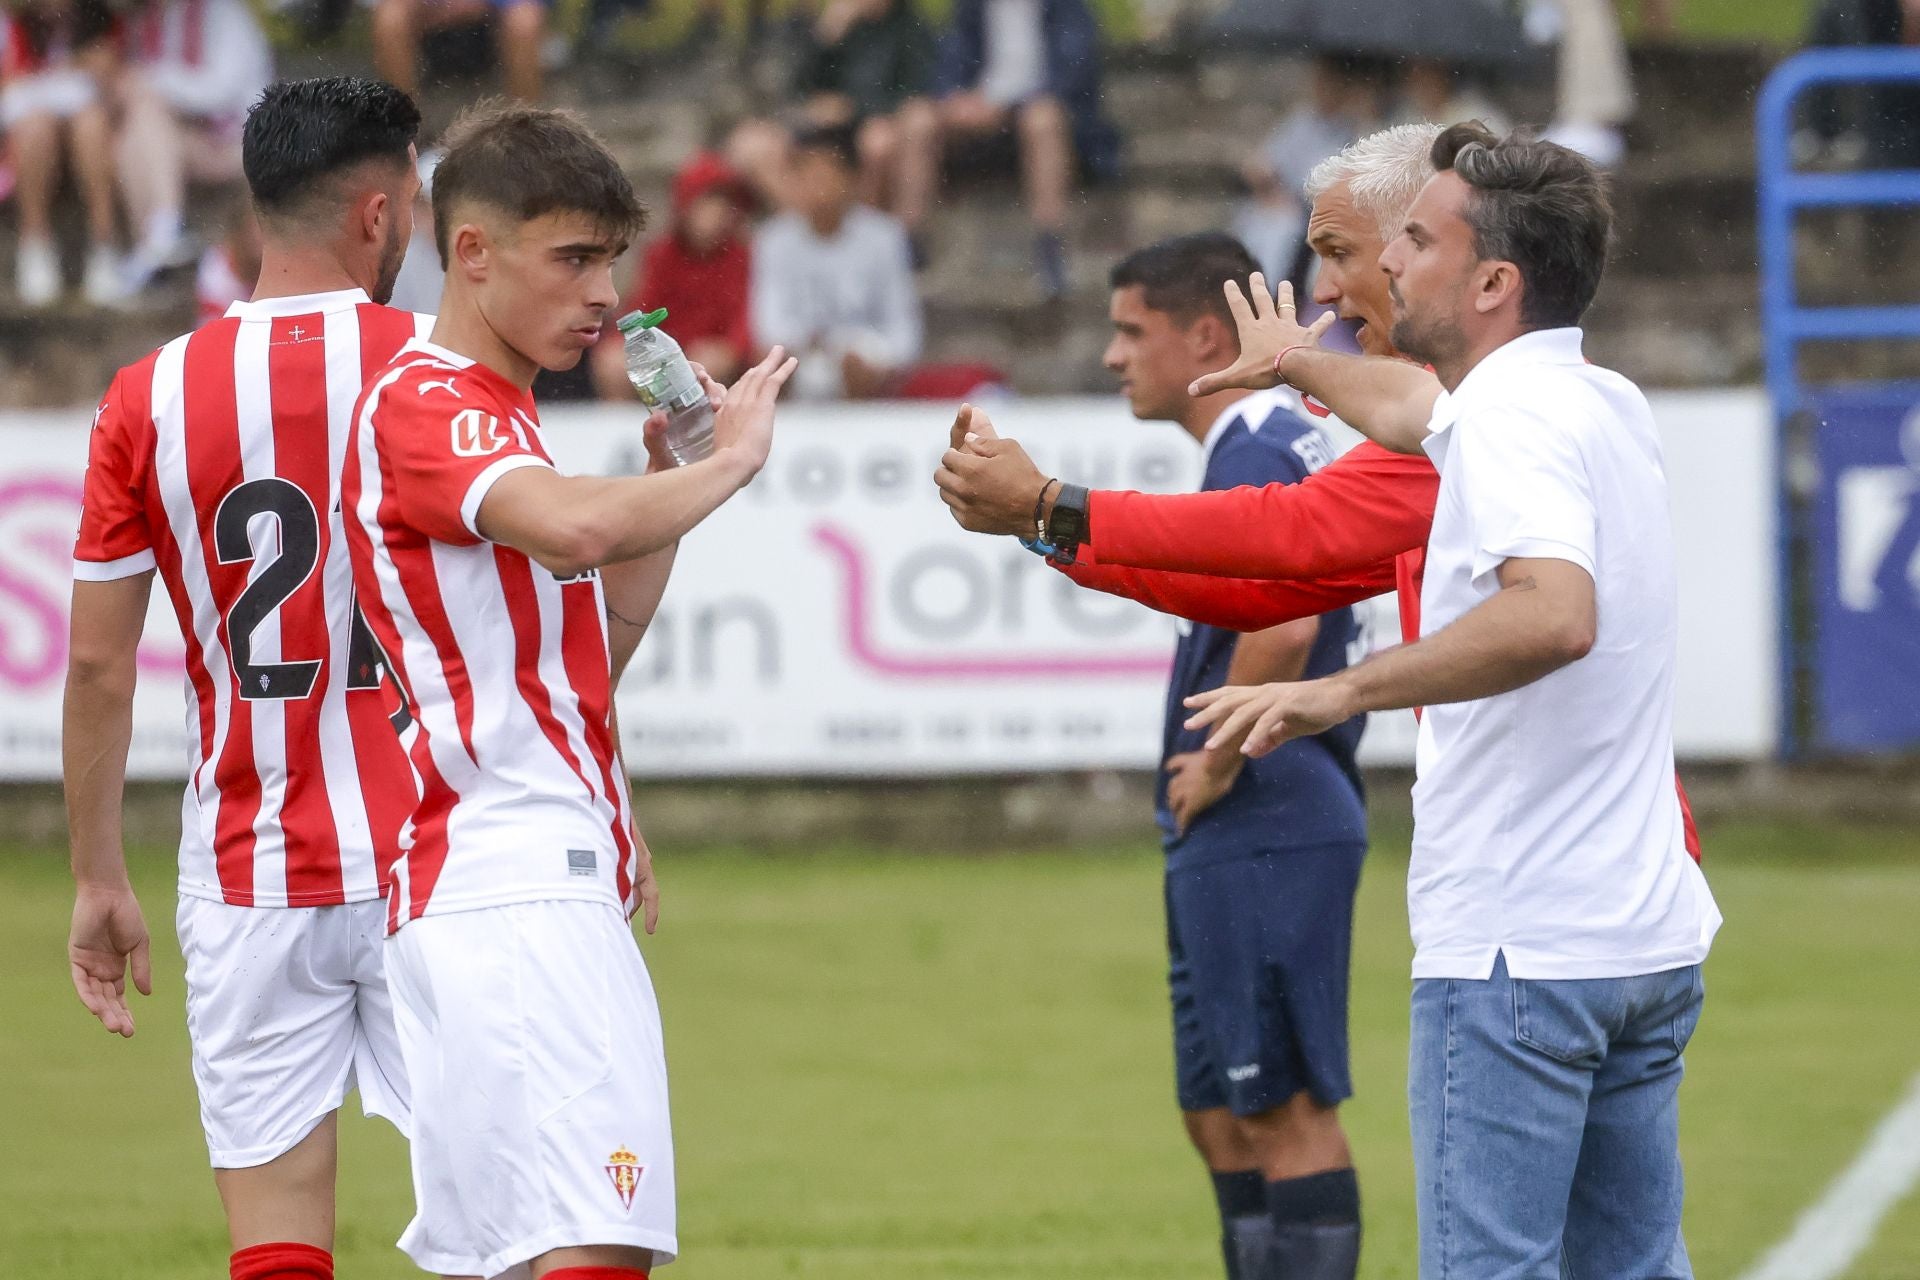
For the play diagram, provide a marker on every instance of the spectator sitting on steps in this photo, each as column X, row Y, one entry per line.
column 54, row 57
column 1031, row 68
column 833, row 279
column 698, row 271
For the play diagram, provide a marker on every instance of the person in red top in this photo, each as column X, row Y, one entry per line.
column 214, row 464
column 509, row 596
column 1253, row 558
column 699, row 272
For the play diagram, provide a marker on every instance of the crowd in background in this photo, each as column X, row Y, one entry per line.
column 807, row 224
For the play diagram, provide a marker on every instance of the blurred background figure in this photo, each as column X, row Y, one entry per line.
column 870, row 63
column 229, row 267
column 1878, row 124
column 519, row 30
column 1435, row 91
column 1029, row 70
column 698, row 270
column 194, row 67
column 833, row 278
column 1593, row 93
column 55, row 56
column 417, row 288
column 1344, row 101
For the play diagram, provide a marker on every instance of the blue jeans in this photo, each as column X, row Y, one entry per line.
column 1546, row 1125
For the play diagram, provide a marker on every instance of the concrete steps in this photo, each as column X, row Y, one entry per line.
column 1679, row 306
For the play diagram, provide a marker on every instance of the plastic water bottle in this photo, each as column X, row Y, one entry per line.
column 660, row 373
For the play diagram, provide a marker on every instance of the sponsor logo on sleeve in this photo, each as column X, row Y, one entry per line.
column 477, row 434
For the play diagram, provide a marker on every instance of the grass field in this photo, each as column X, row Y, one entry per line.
column 892, row 1067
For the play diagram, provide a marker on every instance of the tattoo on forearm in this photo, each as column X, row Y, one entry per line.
column 617, row 616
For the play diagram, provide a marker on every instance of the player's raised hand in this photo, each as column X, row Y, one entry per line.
column 1268, row 326
column 109, row 937
column 1257, row 718
column 743, row 422
column 989, row 484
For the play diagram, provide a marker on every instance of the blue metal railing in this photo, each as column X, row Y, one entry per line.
column 1785, row 323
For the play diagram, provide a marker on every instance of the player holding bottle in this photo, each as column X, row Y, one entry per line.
column 527, row 1020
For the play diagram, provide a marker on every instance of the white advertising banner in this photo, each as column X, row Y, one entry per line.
column 832, row 620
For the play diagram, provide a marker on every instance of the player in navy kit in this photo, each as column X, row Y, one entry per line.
column 1263, row 856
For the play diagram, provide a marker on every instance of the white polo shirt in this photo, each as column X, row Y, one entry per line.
column 1546, row 824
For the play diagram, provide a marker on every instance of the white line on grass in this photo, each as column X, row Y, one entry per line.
column 1840, row 1225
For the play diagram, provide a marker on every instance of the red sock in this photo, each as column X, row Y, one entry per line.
column 281, row 1262
column 597, row 1273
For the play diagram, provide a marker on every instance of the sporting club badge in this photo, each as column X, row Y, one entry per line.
column 624, row 1170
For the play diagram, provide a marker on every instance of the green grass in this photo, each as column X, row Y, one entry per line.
column 1779, row 22
column 958, row 1067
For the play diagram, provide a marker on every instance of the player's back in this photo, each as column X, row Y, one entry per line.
column 217, row 461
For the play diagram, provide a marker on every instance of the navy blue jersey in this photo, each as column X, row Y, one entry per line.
column 1308, row 791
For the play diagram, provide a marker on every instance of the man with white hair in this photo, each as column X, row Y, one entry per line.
column 1352, row 530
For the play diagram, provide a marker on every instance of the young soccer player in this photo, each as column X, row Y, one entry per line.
column 215, row 461
column 503, row 590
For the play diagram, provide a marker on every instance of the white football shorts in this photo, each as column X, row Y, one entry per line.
column 287, row 1009
column 532, row 1040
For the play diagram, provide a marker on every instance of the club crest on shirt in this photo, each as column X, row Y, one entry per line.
column 477, row 434
column 624, row 1170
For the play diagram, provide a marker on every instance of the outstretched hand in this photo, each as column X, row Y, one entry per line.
column 1267, row 326
column 743, row 416
column 988, row 483
column 1257, row 718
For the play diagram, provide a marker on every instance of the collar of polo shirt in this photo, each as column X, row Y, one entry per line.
column 1539, row 346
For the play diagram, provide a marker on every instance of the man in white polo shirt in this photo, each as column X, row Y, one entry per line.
column 1559, row 923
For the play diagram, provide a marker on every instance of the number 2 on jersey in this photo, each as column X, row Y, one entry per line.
column 274, row 584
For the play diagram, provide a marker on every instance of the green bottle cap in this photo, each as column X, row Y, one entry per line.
column 641, row 320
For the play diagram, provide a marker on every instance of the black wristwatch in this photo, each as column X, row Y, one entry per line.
column 1067, row 525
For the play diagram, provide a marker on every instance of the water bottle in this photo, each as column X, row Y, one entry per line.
column 660, row 373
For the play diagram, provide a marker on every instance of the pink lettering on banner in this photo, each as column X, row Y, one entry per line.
column 38, row 516
column 857, row 606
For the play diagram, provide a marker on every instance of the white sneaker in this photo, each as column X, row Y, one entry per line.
column 37, row 273
column 105, row 281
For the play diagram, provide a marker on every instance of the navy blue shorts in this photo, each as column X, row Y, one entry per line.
column 1259, row 947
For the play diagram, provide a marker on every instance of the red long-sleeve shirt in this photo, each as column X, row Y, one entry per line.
column 1251, row 558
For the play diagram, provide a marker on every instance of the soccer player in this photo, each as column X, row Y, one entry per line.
column 1262, row 861
column 527, row 1020
column 1558, row 924
column 215, row 462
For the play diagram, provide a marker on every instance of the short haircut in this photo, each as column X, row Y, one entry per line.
column 1538, row 205
column 1185, row 276
column 303, row 134
column 836, row 140
column 1383, row 171
column 528, row 162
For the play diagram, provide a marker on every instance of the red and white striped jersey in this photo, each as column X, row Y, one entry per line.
column 505, row 666
column 217, row 460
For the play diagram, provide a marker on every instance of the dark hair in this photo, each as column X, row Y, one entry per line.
column 1184, row 276
column 1539, row 206
column 836, row 140
column 302, row 134
column 528, row 162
